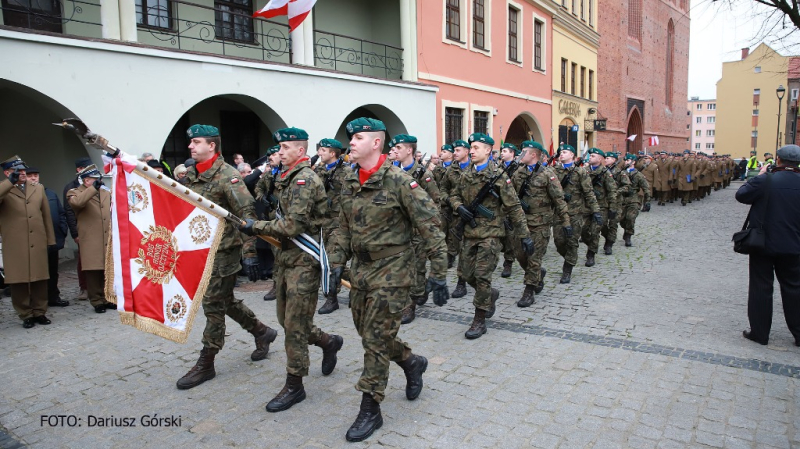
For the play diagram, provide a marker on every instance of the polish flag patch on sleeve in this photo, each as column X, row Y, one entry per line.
column 301, row 182
column 427, row 179
column 508, row 181
column 234, row 180
column 414, row 184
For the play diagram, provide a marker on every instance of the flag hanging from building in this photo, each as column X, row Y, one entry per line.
column 296, row 10
column 632, row 137
column 653, row 141
column 162, row 251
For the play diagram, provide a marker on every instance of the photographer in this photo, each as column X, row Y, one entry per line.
column 775, row 207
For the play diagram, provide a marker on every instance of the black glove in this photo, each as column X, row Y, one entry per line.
column 439, row 289
column 251, row 268
column 14, row 177
column 465, row 214
column 527, row 246
column 52, row 248
column 247, row 227
column 646, row 207
column 567, row 197
column 598, row 218
column 568, row 233
column 612, row 214
column 507, row 225
column 313, row 159
column 98, row 184
column 335, row 278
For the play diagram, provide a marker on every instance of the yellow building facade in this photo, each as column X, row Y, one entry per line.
column 575, row 43
column 747, row 103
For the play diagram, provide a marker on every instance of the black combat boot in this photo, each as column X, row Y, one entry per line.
column 495, row 295
column 271, row 293
column 478, row 326
column 527, row 297
column 627, row 238
column 330, row 344
column 420, row 300
column 589, row 259
column 507, row 269
column 451, row 260
column 460, row 290
column 202, row 371
column 369, row 419
column 607, row 248
column 413, row 367
column 291, row 394
column 566, row 277
column 409, row 313
column 540, row 286
column 264, row 335
column 331, row 304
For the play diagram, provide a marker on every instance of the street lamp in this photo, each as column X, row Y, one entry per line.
column 780, row 92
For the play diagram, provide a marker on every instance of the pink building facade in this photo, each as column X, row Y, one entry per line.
column 491, row 60
column 704, row 123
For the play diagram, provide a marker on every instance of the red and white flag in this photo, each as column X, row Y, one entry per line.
column 632, row 137
column 653, row 141
column 296, row 10
column 163, row 243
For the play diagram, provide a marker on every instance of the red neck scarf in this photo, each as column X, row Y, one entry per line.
column 363, row 174
column 302, row 159
column 203, row 166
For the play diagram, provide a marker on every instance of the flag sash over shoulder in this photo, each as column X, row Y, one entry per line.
column 315, row 250
column 163, row 242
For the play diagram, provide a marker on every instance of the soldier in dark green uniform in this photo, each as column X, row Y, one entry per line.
column 382, row 206
column 605, row 191
column 405, row 147
column 331, row 169
column 212, row 178
column 508, row 152
column 439, row 174
column 631, row 201
column 449, row 184
column 481, row 244
column 623, row 187
column 541, row 197
column 302, row 207
column 580, row 199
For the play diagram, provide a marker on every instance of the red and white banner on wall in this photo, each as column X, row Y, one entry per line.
column 162, row 250
column 652, row 141
column 296, row 10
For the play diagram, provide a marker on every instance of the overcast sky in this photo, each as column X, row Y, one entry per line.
column 719, row 32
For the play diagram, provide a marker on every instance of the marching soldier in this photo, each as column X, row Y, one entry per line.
column 631, row 201
column 483, row 227
column 718, row 174
column 27, row 232
column 222, row 184
column 440, row 175
column 605, row 191
column 331, row 170
column 381, row 206
column 675, row 161
column 542, row 200
column 705, row 175
column 579, row 196
column 91, row 203
column 445, row 159
column 264, row 194
column 686, row 173
column 623, row 187
column 650, row 172
column 508, row 151
column 451, row 180
column 302, row 207
column 663, row 182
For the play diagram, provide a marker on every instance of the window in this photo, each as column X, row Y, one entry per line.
column 795, row 94
column 591, row 19
column 154, row 13
column 710, row 133
column 758, row 69
column 583, row 82
column 709, row 146
column 478, row 24
column 754, row 134
column 699, row 119
column 591, row 84
column 454, row 20
column 755, row 112
column 711, row 106
column 669, row 63
column 635, row 19
column 233, row 20
column 513, row 15
column 574, row 9
column 698, row 133
column 572, row 79
column 44, row 15
column 481, row 122
column 697, row 146
column 756, row 91
column 537, row 44
column 453, row 124
column 699, row 106
column 711, row 120
column 563, row 75
column 583, row 15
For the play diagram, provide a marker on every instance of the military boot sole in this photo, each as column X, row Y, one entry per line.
column 328, row 367
column 187, row 385
column 274, row 406
column 270, row 336
column 356, row 438
column 411, row 393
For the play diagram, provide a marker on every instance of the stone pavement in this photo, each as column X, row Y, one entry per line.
column 643, row 350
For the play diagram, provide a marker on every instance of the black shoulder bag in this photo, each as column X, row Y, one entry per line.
column 753, row 239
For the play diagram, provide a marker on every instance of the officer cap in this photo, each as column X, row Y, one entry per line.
column 92, row 172
column 273, row 149
column 481, row 137
column 402, row 138
column 460, row 143
column 789, row 153
column 290, row 135
column 364, row 124
column 83, row 162
column 13, row 163
column 648, row 156
column 448, row 148
column 567, row 147
column 202, row 131
column 612, row 154
column 686, row 152
column 330, row 143
column 30, row 170
column 596, row 151
column 513, row 148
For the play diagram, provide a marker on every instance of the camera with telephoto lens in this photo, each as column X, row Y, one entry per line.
column 770, row 168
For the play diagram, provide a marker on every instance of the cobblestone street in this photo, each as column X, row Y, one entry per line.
column 643, row 350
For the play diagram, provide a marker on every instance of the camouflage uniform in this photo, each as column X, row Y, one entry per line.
column 631, row 201
column 376, row 227
column 332, row 181
column 543, row 196
column 425, row 179
column 481, row 246
column 263, row 187
column 623, row 187
column 223, row 185
column 446, row 213
column 605, row 191
column 580, row 200
column 447, row 188
column 302, row 208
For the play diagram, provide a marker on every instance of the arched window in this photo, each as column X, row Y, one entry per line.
column 635, row 19
column 670, row 62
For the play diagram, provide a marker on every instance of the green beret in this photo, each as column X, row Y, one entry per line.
column 402, row 138
column 567, row 147
column 630, row 157
column 512, row 147
column 448, row 148
column 290, row 135
column 273, row 149
column 202, row 131
column 481, row 137
column 364, row 124
column 612, row 154
column 330, row 143
column 460, row 143
column 596, row 151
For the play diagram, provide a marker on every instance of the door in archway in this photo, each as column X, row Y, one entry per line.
column 568, row 133
column 634, row 128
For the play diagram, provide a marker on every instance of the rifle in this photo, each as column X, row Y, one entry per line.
column 329, row 177
column 476, row 207
column 269, row 199
column 524, row 189
column 566, row 181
